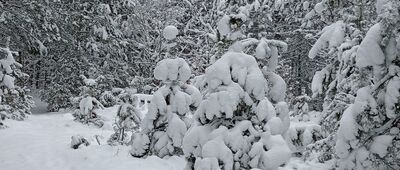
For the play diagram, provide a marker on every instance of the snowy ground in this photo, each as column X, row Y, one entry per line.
column 43, row 142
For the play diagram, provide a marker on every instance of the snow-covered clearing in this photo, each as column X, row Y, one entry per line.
column 43, row 142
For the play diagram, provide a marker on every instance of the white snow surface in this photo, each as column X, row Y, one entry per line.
column 43, row 142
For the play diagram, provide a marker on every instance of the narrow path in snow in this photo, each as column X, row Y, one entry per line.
column 43, row 142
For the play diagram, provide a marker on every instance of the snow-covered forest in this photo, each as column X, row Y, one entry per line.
column 199, row 84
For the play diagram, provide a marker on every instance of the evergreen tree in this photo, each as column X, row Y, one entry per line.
column 236, row 125
column 368, row 136
column 169, row 113
column 15, row 103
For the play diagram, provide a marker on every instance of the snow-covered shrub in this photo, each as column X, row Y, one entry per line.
column 236, row 125
column 368, row 135
column 87, row 103
column 86, row 112
column 169, row 113
column 117, row 96
column 128, row 119
column 300, row 107
column 15, row 103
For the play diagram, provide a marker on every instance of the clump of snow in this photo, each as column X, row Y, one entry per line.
column 392, row 96
column 370, row 53
column 223, row 26
column 321, row 7
column 331, row 36
column 317, row 81
column 172, row 70
column 277, row 86
column 170, row 32
column 269, row 49
column 306, row 5
column 78, row 140
column 380, row 144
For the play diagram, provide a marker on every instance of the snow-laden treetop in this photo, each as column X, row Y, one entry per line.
column 172, row 70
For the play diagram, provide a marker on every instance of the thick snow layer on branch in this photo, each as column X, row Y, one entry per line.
column 172, row 70
column 223, row 26
column 331, row 36
column 348, row 129
column 277, row 151
column 320, row 7
column 217, row 149
column 277, row 86
column 318, row 80
column 370, row 53
column 170, row 32
column 392, row 96
column 380, row 144
column 240, row 67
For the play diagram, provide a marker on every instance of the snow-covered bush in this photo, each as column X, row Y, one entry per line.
column 116, row 96
column 128, row 119
column 368, row 136
column 15, row 103
column 236, row 125
column 169, row 114
column 300, row 106
column 86, row 103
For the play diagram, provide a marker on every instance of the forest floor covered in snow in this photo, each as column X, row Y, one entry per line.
column 43, row 142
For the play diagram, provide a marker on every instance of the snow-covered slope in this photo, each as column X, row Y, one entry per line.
column 43, row 142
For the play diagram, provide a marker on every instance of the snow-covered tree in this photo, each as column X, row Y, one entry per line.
column 15, row 103
column 169, row 114
column 338, row 82
column 236, row 125
column 368, row 136
column 128, row 119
